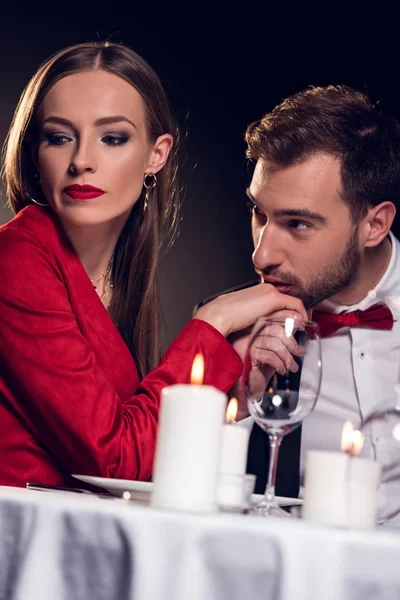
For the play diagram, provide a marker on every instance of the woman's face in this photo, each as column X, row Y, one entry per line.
column 93, row 133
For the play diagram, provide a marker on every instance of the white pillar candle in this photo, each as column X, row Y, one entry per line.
column 232, row 461
column 188, row 448
column 234, row 447
column 340, row 489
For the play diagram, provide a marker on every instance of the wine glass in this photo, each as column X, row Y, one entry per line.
column 381, row 428
column 281, row 382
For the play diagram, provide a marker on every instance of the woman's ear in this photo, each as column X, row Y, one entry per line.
column 159, row 153
column 34, row 156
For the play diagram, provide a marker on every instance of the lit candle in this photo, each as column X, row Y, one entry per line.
column 188, row 445
column 234, row 445
column 233, row 460
column 341, row 487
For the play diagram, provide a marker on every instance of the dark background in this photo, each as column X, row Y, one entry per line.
column 222, row 68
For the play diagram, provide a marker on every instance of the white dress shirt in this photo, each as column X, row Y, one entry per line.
column 360, row 371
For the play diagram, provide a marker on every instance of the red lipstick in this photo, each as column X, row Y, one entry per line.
column 83, row 192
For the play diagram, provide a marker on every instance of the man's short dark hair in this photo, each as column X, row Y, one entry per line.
column 342, row 122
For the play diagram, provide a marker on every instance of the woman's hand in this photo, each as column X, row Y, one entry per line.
column 239, row 310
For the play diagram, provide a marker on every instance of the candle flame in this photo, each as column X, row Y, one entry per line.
column 197, row 374
column 358, row 442
column 352, row 439
column 232, row 410
column 396, row 432
column 347, row 436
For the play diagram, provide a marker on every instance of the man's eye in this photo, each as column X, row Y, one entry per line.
column 298, row 225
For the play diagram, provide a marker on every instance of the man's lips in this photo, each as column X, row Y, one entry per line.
column 281, row 286
column 83, row 192
column 274, row 281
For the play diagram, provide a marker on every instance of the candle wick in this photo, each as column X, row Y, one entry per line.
column 350, row 450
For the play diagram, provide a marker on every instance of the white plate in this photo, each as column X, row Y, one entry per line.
column 282, row 501
column 118, row 486
column 143, row 488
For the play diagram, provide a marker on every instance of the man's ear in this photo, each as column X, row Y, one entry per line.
column 378, row 222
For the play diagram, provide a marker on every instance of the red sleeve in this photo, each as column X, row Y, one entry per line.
column 59, row 391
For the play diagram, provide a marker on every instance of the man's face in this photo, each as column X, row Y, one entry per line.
column 305, row 241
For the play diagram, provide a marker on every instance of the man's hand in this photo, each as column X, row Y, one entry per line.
column 274, row 353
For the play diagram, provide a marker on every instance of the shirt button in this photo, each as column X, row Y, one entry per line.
column 362, row 354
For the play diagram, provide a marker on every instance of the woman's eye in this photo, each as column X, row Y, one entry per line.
column 57, row 139
column 115, row 140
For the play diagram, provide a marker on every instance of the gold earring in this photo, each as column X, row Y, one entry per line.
column 36, row 201
column 36, row 177
column 149, row 182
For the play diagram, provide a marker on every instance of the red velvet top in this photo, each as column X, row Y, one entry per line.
column 70, row 396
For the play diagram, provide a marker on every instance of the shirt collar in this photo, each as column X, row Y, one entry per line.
column 387, row 289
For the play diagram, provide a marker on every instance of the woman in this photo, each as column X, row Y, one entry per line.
column 90, row 173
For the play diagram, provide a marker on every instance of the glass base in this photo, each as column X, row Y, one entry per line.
column 269, row 509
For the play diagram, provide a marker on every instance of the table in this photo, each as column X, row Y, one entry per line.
column 72, row 546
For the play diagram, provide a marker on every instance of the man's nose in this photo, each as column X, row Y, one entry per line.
column 267, row 251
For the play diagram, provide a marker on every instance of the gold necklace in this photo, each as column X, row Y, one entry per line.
column 106, row 273
column 108, row 285
column 107, row 282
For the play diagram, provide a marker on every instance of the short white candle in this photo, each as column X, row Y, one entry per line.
column 188, row 448
column 340, row 489
column 233, row 460
column 234, row 447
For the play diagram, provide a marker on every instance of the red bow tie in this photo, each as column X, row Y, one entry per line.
column 377, row 316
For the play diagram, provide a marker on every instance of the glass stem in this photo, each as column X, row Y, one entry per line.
column 274, row 444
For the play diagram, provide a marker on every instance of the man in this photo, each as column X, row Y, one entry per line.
column 324, row 194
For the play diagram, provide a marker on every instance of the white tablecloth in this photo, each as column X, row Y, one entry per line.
column 57, row 546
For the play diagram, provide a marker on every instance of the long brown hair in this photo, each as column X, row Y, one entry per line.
column 135, row 305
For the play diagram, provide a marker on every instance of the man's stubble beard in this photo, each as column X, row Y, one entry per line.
column 331, row 280
column 334, row 278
